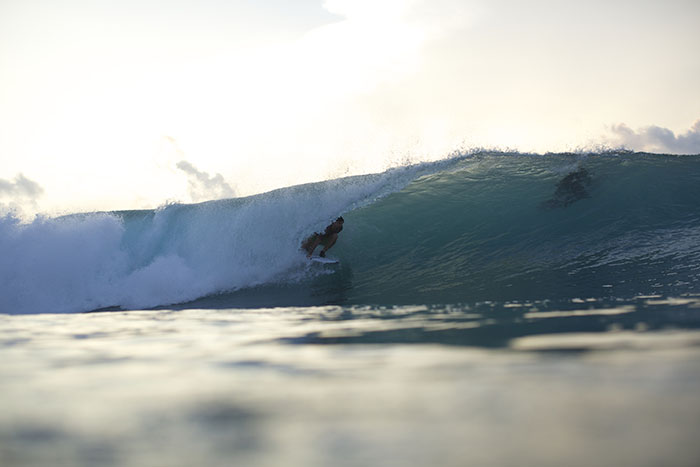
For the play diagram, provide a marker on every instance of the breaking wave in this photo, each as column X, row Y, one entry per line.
column 484, row 226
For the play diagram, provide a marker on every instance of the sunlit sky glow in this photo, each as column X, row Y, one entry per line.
column 100, row 100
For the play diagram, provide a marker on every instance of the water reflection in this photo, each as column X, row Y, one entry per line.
column 493, row 325
column 516, row 383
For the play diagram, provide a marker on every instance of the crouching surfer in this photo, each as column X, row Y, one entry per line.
column 327, row 238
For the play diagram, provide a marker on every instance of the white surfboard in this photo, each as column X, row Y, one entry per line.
column 318, row 259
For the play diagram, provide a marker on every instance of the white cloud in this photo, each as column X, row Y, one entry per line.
column 21, row 187
column 19, row 194
column 657, row 139
column 202, row 186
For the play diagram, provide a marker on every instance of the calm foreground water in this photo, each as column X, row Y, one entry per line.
column 578, row 382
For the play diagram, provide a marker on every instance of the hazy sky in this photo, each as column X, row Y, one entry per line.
column 132, row 103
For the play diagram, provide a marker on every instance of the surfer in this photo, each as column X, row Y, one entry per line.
column 327, row 238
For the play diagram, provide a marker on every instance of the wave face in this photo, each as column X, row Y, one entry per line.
column 480, row 227
column 516, row 227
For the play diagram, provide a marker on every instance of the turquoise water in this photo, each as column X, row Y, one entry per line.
column 489, row 309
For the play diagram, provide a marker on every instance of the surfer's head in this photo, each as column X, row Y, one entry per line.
column 340, row 219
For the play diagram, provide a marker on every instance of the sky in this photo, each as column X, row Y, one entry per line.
column 131, row 104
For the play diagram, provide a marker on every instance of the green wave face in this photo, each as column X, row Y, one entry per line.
column 513, row 227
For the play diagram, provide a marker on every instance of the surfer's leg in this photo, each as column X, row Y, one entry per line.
column 311, row 243
column 328, row 242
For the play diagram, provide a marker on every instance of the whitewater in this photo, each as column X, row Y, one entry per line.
column 482, row 226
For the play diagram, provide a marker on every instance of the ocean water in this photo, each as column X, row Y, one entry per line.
column 488, row 309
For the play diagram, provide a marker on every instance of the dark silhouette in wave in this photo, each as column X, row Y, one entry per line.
column 572, row 188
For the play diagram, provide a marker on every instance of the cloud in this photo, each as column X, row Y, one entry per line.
column 658, row 139
column 202, row 186
column 21, row 187
column 18, row 194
